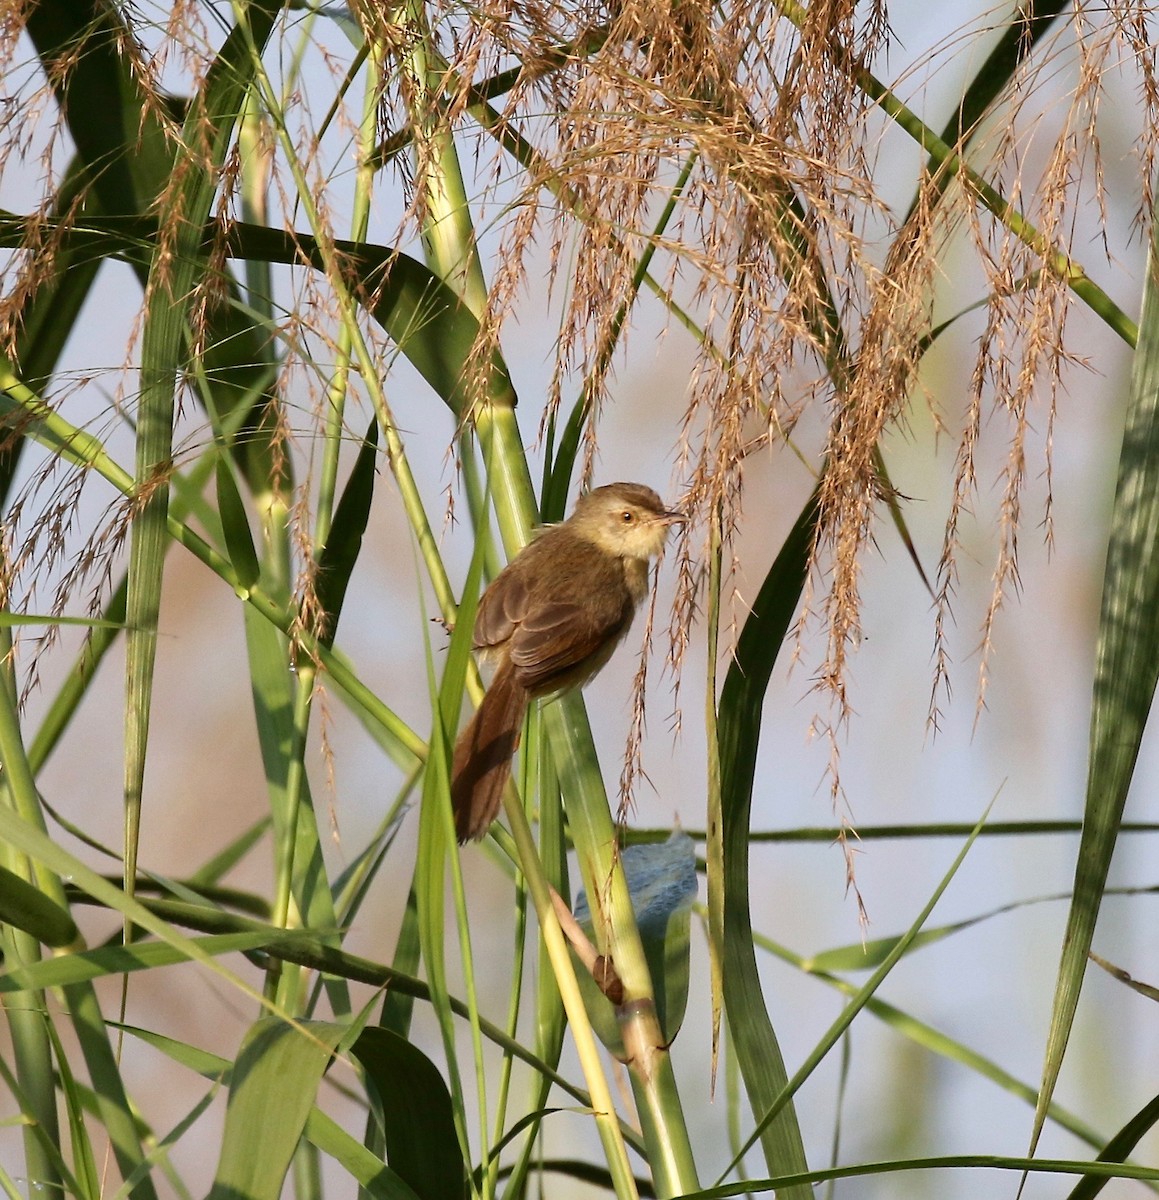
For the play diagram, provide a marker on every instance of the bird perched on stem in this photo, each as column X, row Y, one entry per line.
column 549, row 621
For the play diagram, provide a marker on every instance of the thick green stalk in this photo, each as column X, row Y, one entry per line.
column 603, row 1106
column 617, row 937
column 449, row 238
column 714, row 842
column 329, row 261
column 173, row 275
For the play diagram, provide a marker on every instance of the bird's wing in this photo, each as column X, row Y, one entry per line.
column 549, row 635
column 558, row 637
column 500, row 611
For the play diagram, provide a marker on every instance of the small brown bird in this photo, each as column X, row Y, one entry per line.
column 550, row 620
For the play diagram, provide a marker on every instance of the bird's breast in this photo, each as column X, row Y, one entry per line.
column 636, row 578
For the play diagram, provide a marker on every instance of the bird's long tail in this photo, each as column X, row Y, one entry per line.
column 482, row 759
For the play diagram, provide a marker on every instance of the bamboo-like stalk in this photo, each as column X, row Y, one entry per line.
column 449, row 239
column 617, row 937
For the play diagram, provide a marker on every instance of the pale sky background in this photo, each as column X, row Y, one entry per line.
column 989, row 987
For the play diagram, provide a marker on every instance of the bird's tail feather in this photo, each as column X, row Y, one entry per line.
column 482, row 760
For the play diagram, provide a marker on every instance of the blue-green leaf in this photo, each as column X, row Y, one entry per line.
column 661, row 879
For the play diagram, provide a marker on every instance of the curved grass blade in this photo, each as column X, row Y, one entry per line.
column 28, row 908
column 23, row 824
column 345, row 540
column 67, row 969
column 738, row 732
column 116, row 134
column 1136, row 985
column 436, row 845
column 27, row 412
column 28, row 1013
column 425, row 317
column 863, row 995
column 307, row 950
column 44, row 1164
column 1126, row 672
column 780, row 1185
column 47, row 318
column 934, row 1041
column 421, row 1145
column 377, row 1180
column 73, row 1100
column 1030, row 23
column 235, row 527
column 1117, row 1149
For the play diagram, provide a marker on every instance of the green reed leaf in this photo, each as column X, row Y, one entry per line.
column 739, row 727
column 1126, row 672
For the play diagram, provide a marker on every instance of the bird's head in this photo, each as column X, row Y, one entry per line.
column 628, row 520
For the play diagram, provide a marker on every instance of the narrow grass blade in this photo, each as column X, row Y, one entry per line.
column 230, row 855
column 397, row 1010
column 1126, row 671
column 26, row 907
column 741, row 703
column 1136, row 985
column 1117, row 1149
column 436, row 844
column 864, row 993
column 44, row 851
column 397, row 1007
column 43, row 1167
column 235, row 527
column 424, row 317
column 714, row 843
column 237, row 377
column 1029, row 24
column 35, row 420
column 345, row 539
column 172, row 284
column 658, row 1102
column 24, row 829
column 83, row 1159
column 936, row 1042
column 47, row 318
column 113, row 1106
column 780, row 1185
column 309, row 951
column 375, row 1177
column 11, row 620
column 281, row 700
column 67, row 969
column 28, row 1015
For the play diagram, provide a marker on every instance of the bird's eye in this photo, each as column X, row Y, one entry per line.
column 627, row 516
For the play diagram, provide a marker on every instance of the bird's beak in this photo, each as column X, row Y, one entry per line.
column 672, row 517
